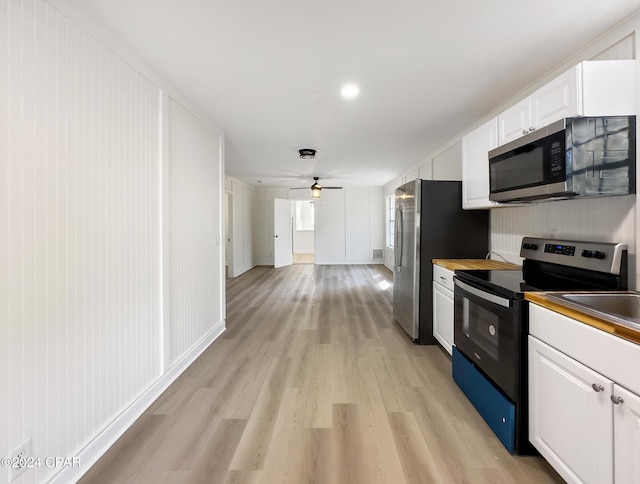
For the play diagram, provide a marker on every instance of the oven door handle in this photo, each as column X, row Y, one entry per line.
column 502, row 301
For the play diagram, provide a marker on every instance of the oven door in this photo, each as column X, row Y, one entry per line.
column 488, row 330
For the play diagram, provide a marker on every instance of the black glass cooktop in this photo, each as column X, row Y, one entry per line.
column 507, row 283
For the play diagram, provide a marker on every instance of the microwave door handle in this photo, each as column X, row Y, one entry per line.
column 492, row 298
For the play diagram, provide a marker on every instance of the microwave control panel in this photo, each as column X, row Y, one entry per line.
column 557, row 156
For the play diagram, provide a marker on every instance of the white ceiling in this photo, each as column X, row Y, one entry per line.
column 270, row 72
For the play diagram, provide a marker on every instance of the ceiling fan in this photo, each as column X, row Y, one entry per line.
column 316, row 188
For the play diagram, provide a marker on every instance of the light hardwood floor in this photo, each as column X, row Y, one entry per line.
column 303, row 258
column 313, row 382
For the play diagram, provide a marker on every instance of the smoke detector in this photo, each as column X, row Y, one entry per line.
column 307, row 153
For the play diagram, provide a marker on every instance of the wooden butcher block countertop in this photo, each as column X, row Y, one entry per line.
column 608, row 325
column 472, row 264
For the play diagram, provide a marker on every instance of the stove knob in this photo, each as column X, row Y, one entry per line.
column 599, row 255
column 587, row 253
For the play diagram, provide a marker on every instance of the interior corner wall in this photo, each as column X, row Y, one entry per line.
column 96, row 319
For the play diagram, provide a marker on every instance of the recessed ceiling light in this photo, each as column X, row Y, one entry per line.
column 350, row 91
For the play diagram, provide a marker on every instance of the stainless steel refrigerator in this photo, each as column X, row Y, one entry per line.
column 430, row 224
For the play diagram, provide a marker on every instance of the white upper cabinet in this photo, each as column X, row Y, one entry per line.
column 515, row 121
column 592, row 88
column 556, row 100
column 475, row 165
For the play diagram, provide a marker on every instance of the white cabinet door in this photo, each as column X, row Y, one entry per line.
column 514, row 122
column 556, row 100
column 626, row 417
column 570, row 415
column 475, row 165
column 443, row 316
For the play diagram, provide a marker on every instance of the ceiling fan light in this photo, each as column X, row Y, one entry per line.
column 316, row 188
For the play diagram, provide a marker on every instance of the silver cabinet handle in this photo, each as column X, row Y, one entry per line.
column 532, row 129
column 597, row 388
column 443, row 278
column 524, row 131
column 616, row 400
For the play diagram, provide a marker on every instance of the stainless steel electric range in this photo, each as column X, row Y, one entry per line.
column 491, row 323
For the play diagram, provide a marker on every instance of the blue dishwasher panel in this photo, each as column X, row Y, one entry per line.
column 496, row 409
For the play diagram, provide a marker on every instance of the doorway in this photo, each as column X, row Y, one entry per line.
column 303, row 215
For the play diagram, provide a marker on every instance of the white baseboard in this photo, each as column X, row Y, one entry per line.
column 99, row 445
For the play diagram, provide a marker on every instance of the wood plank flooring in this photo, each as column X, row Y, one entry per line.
column 313, row 382
column 303, row 258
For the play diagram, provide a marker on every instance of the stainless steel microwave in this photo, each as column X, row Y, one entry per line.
column 573, row 157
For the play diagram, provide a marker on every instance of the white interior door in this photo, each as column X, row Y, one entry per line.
column 282, row 233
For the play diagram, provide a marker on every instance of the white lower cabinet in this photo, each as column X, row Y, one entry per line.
column 443, row 307
column 626, row 419
column 583, row 423
column 570, row 423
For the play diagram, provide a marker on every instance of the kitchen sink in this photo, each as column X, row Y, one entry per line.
column 623, row 307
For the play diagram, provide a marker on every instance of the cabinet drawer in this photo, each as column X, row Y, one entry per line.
column 443, row 276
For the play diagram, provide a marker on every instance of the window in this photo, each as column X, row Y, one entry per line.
column 391, row 215
column 304, row 215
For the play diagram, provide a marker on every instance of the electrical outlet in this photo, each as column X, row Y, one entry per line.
column 18, row 460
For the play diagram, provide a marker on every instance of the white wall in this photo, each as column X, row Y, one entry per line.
column 303, row 241
column 349, row 224
column 242, row 226
column 609, row 219
column 111, row 197
column 331, row 220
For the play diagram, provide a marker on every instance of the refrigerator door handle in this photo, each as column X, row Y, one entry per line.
column 398, row 238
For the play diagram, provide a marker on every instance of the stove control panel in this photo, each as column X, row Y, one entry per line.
column 560, row 249
column 596, row 256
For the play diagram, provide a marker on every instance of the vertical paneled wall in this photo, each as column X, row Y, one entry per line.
column 80, row 231
column 597, row 219
column 82, row 200
column 194, row 202
column 330, row 229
